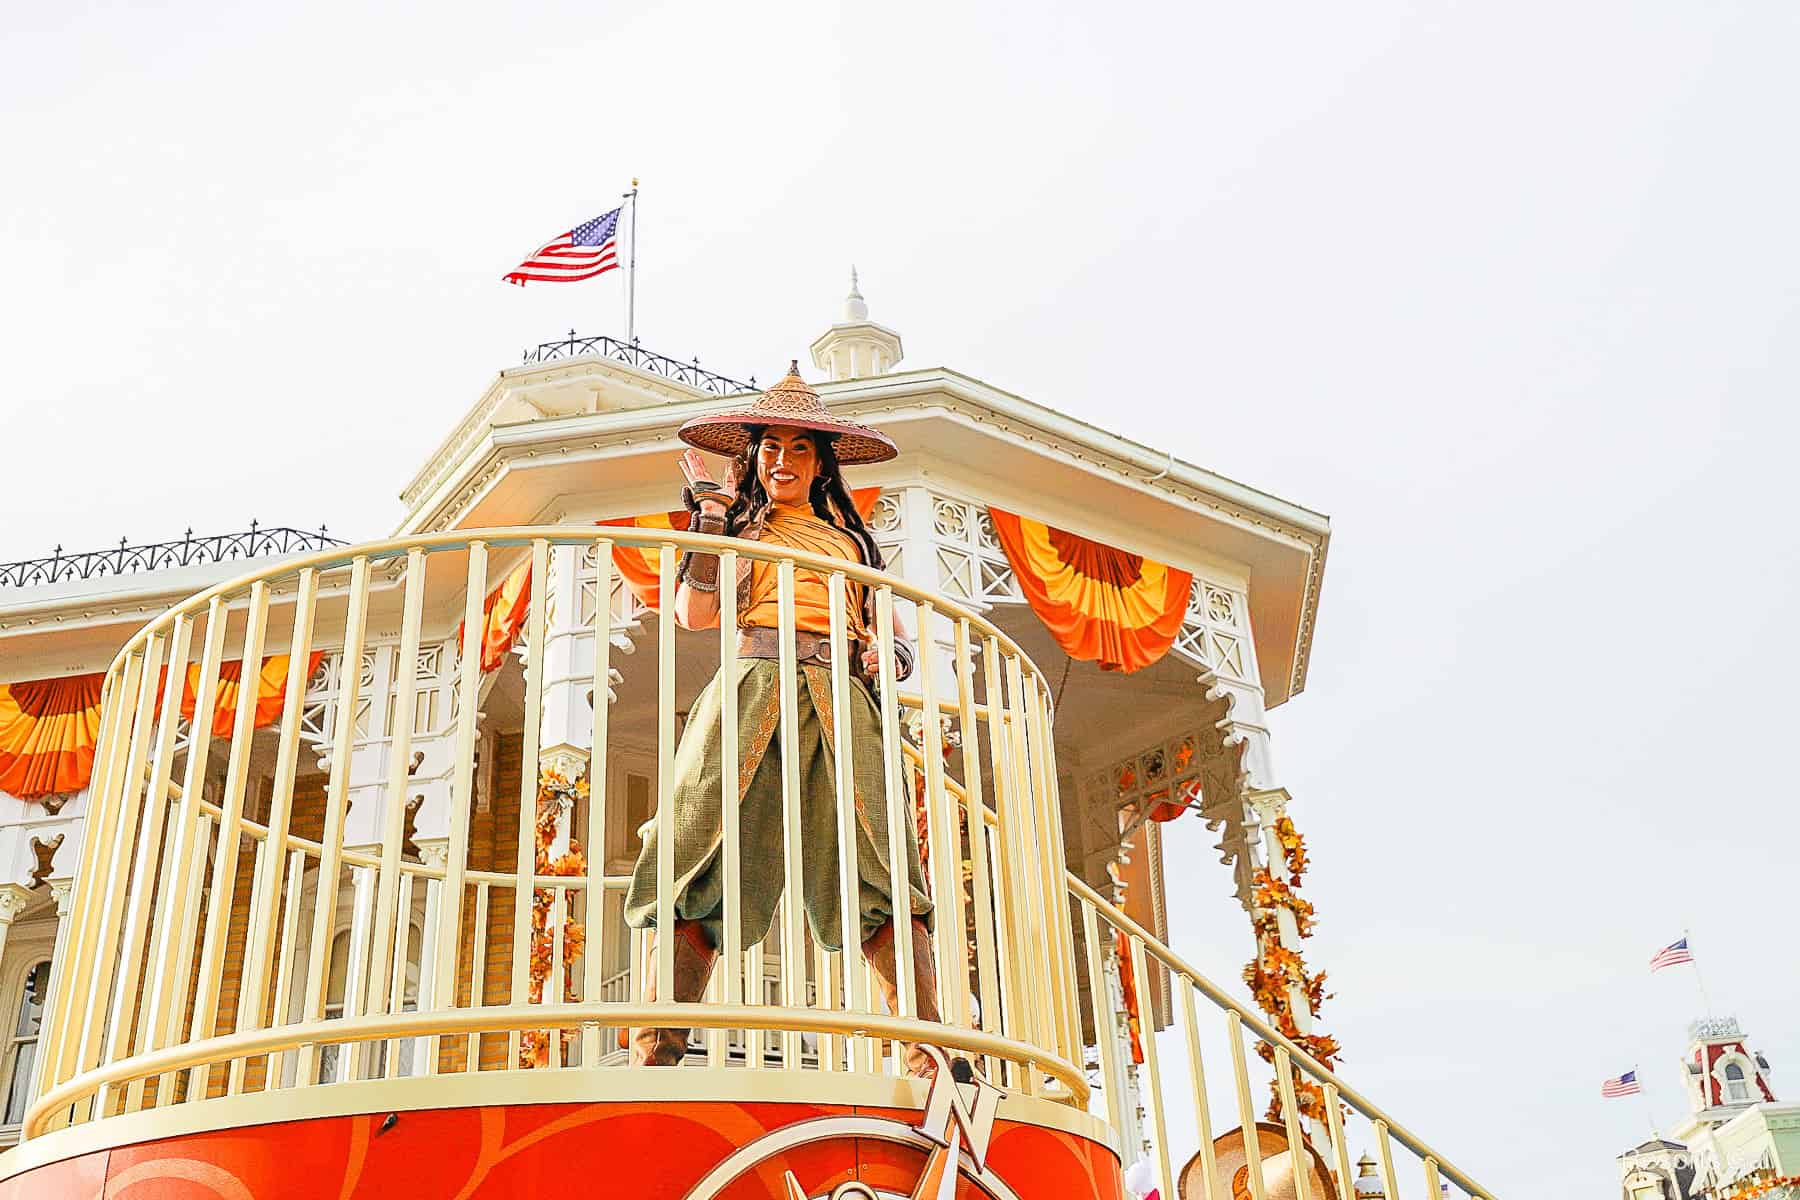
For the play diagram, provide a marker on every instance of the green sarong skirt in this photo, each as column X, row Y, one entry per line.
column 698, row 828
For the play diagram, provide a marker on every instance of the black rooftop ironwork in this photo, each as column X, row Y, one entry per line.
column 123, row 559
column 630, row 353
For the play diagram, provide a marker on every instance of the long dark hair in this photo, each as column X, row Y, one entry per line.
column 830, row 495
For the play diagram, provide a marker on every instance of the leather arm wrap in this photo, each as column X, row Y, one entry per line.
column 698, row 570
column 904, row 658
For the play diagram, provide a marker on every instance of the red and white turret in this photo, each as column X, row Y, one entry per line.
column 1722, row 1071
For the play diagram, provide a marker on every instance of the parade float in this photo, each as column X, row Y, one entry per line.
column 319, row 857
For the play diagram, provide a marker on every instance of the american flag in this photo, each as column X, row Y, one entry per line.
column 589, row 249
column 1624, row 1085
column 1671, row 955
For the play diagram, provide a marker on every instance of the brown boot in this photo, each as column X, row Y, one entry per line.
column 879, row 950
column 694, row 957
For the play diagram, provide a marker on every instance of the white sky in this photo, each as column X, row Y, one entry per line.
column 1509, row 290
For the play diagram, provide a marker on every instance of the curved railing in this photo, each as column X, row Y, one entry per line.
column 141, row 1014
column 218, row 875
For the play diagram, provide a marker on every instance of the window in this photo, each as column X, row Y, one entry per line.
column 337, row 978
column 639, row 808
column 334, row 1058
column 1737, row 1090
column 21, row 1054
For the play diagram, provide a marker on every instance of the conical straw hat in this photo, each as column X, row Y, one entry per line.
column 790, row 402
column 1231, row 1182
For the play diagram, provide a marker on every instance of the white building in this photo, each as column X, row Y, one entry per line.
column 1737, row 1137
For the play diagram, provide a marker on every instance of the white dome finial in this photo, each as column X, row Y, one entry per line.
column 856, row 310
column 856, row 347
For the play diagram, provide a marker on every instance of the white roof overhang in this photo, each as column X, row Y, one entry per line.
column 616, row 436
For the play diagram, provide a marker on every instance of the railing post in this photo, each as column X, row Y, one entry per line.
column 1158, row 1118
column 231, row 818
column 899, row 820
column 793, row 906
column 950, row 946
column 526, row 865
column 858, row 1052
column 462, row 796
column 266, row 892
column 66, row 977
column 976, row 812
column 594, row 898
column 730, row 787
column 116, row 823
column 179, row 893
column 393, row 813
column 665, row 775
column 343, row 741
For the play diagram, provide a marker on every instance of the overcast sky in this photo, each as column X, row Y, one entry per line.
column 1508, row 290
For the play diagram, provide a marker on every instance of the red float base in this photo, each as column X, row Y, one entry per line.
column 635, row 1149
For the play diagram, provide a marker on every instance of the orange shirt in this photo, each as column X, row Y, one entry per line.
column 800, row 529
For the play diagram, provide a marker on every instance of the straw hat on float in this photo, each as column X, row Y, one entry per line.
column 1231, row 1180
column 791, row 402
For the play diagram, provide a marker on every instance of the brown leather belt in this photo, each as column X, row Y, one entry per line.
column 760, row 641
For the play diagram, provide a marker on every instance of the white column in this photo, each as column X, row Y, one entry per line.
column 568, row 715
column 13, row 900
column 1270, row 805
column 433, row 853
column 61, row 891
column 368, row 753
column 356, row 974
column 567, row 730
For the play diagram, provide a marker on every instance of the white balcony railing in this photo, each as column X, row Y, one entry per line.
column 201, row 959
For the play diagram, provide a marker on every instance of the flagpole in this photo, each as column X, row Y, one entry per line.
column 1695, row 960
column 631, row 272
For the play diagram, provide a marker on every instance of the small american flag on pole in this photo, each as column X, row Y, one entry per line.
column 1671, row 955
column 1624, row 1085
column 589, row 249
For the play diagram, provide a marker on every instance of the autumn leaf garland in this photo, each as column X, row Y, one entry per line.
column 555, row 795
column 1278, row 967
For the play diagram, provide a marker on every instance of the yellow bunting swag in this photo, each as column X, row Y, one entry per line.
column 1101, row 604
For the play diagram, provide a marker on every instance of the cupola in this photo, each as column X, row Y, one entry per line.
column 1368, row 1184
column 856, row 347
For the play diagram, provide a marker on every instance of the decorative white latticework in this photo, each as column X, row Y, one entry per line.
column 887, row 521
column 971, row 565
column 626, row 608
column 1216, row 631
column 1165, row 771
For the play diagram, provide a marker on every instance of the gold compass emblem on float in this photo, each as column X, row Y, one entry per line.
column 954, row 1135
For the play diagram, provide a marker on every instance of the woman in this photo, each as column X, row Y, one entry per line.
column 786, row 489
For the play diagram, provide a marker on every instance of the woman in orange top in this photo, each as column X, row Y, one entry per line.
column 787, row 452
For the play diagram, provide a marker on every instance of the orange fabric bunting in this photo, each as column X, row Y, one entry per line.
column 503, row 615
column 48, row 728
column 1101, row 604
column 271, row 691
column 641, row 566
column 1134, row 1019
